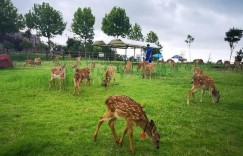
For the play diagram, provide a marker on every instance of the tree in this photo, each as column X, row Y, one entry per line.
column 25, row 44
column 10, row 20
column 189, row 40
column 47, row 21
column 233, row 36
column 116, row 23
column 239, row 55
column 135, row 33
column 83, row 24
column 153, row 38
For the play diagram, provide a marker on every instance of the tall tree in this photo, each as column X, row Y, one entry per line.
column 83, row 24
column 189, row 40
column 135, row 33
column 10, row 20
column 47, row 21
column 116, row 23
column 233, row 36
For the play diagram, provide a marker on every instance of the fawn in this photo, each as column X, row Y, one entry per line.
column 204, row 82
column 79, row 76
column 132, row 112
column 58, row 73
column 109, row 74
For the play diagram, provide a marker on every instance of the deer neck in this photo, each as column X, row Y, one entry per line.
column 146, row 128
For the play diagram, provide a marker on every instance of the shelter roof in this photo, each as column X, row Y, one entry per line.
column 125, row 43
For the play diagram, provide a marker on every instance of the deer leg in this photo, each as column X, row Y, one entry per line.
column 111, row 124
column 130, row 132
column 211, row 94
column 122, row 137
column 106, row 116
column 50, row 81
column 191, row 92
column 202, row 95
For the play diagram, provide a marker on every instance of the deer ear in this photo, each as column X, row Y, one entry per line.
column 151, row 123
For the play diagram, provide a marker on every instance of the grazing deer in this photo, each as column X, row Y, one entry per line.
column 142, row 65
column 171, row 63
column 79, row 76
column 198, row 61
column 226, row 64
column 109, row 74
column 58, row 73
column 204, row 82
column 237, row 65
column 149, row 70
column 37, row 61
column 219, row 62
column 127, row 67
column 132, row 112
column 29, row 61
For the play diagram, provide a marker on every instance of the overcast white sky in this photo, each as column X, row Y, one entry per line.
column 172, row 20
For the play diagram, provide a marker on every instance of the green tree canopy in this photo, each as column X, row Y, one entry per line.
column 135, row 33
column 47, row 21
column 83, row 24
column 189, row 40
column 233, row 36
column 116, row 23
column 10, row 20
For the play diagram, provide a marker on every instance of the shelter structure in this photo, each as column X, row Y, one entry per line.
column 122, row 43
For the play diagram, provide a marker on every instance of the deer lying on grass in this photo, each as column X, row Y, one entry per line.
column 132, row 112
column 127, row 67
column 58, row 73
column 79, row 76
column 204, row 82
column 142, row 65
column 109, row 74
column 149, row 70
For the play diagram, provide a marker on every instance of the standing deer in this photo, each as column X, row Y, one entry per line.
column 58, row 73
column 142, row 65
column 126, row 108
column 109, row 74
column 127, row 67
column 204, row 82
column 149, row 70
column 79, row 76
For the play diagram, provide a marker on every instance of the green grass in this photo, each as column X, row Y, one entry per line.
column 36, row 120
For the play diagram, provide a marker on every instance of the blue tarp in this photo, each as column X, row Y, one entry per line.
column 157, row 56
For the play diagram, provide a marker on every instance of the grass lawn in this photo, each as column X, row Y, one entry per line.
column 36, row 120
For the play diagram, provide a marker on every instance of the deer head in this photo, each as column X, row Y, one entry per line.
column 151, row 130
column 215, row 95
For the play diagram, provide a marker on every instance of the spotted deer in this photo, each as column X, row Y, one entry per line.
column 226, row 64
column 171, row 63
column 131, row 111
column 196, row 72
column 58, row 73
column 204, row 82
column 79, row 76
column 29, row 61
column 142, row 65
column 149, row 70
column 127, row 67
column 109, row 74
column 37, row 61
